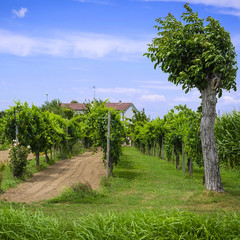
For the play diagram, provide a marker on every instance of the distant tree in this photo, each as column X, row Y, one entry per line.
column 199, row 56
column 74, row 101
column 2, row 114
column 55, row 106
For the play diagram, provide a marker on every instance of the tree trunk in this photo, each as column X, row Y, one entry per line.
column 159, row 153
column 183, row 159
column 173, row 156
column 190, row 166
column 209, row 148
column 54, row 152
column 177, row 162
column 154, row 148
column 37, row 160
column 46, row 157
column 111, row 167
column 162, row 150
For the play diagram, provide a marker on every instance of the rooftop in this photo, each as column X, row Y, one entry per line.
column 120, row 106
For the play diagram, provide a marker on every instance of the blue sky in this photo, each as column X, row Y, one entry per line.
column 65, row 47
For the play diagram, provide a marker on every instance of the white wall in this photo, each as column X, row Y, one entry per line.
column 129, row 113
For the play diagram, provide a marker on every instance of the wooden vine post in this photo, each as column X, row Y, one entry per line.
column 108, row 142
column 16, row 127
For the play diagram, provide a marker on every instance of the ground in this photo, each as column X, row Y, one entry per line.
column 86, row 168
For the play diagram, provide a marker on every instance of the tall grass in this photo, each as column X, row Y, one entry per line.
column 20, row 224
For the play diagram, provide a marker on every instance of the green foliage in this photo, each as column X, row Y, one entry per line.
column 135, row 125
column 227, row 133
column 41, row 130
column 191, row 52
column 4, row 146
column 18, row 159
column 2, row 167
column 180, row 128
column 55, row 106
column 96, row 123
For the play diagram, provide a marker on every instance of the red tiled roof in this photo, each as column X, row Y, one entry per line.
column 75, row 106
column 119, row 106
column 81, row 106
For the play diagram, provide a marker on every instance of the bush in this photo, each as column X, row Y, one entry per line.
column 18, row 159
column 4, row 146
column 78, row 193
column 2, row 167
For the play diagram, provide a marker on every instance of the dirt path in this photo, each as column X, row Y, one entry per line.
column 46, row 184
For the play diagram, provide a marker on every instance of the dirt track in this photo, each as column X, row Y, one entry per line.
column 46, row 184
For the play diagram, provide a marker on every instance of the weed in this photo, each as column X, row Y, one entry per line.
column 78, row 193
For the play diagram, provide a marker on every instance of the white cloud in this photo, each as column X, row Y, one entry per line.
column 79, row 45
column 20, row 13
column 230, row 12
column 153, row 98
column 217, row 3
column 230, row 100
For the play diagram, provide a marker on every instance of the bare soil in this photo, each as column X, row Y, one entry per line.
column 86, row 168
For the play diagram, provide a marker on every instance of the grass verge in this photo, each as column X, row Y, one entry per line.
column 22, row 224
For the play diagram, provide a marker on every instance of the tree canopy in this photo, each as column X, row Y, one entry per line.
column 192, row 51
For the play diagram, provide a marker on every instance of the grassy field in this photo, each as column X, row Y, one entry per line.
column 147, row 199
column 145, row 183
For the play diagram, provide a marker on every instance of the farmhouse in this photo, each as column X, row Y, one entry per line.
column 126, row 109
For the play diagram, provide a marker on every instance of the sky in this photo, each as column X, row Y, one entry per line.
column 78, row 49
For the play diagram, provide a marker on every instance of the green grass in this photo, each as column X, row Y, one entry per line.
column 22, row 224
column 78, row 193
column 141, row 182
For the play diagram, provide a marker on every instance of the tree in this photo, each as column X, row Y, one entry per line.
column 55, row 106
column 202, row 56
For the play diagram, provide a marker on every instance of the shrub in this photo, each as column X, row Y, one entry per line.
column 18, row 159
column 78, row 193
column 2, row 167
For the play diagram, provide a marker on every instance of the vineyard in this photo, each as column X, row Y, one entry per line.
column 143, row 178
column 175, row 137
column 42, row 131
